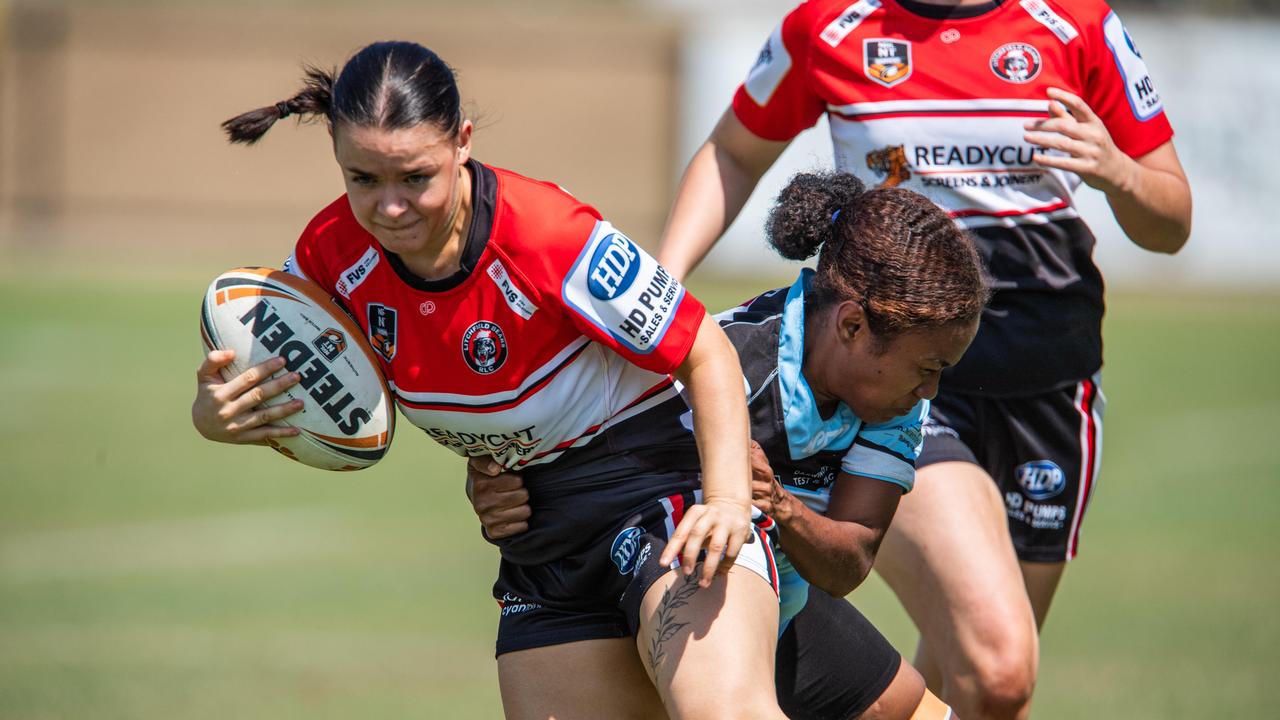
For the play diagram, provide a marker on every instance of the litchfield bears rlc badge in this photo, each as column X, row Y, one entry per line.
column 886, row 61
column 1016, row 62
column 484, row 347
column 382, row 330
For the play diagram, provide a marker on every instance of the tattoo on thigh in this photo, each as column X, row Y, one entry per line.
column 675, row 597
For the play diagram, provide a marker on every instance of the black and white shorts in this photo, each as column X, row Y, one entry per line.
column 1042, row 451
column 595, row 592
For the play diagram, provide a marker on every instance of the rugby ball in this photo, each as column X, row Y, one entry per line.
column 348, row 417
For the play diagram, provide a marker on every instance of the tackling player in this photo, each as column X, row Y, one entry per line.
column 840, row 368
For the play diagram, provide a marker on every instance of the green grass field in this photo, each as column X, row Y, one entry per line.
column 145, row 573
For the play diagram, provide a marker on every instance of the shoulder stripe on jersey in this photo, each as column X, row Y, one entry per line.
column 880, row 448
column 982, row 106
column 487, row 403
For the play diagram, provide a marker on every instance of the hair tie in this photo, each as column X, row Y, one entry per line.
column 835, row 215
column 283, row 109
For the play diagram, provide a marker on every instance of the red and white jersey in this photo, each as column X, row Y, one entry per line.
column 934, row 99
column 556, row 327
column 938, row 105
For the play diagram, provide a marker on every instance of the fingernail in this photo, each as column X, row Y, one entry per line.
column 277, row 362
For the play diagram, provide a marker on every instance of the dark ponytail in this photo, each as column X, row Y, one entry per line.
column 390, row 85
column 801, row 220
column 889, row 249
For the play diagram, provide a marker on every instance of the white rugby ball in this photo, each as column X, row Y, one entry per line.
column 348, row 418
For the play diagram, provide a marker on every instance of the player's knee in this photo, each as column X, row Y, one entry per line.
column 1003, row 679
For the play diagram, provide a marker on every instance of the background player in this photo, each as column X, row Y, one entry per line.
column 955, row 93
column 533, row 355
column 840, row 367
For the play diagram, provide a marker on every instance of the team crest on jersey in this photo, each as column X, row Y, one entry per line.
column 330, row 343
column 484, row 347
column 891, row 164
column 382, row 330
column 1016, row 62
column 886, row 61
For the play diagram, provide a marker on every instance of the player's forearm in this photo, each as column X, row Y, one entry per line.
column 712, row 378
column 833, row 555
column 1153, row 208
column 712, row 192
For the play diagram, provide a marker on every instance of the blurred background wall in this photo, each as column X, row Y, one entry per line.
column 109, row 112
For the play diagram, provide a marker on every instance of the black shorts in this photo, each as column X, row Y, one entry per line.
column 594, row 592
column 1042, row 451
column 832, row 663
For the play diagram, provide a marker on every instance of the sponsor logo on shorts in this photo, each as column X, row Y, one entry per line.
column 886, row 61
column 645, row 552
column 352, row 277
column 1040, row 479
column 1016, row 62
column 514, row 605
column 484, row 347
column 613, row 267
column 1037, row 515
column 625, row 549
column 330, row 343
column 382, row 329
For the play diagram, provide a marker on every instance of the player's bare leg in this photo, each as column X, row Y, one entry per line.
column 949, row 559
column 1041, row 581
column 587, row 680
column 704, row 669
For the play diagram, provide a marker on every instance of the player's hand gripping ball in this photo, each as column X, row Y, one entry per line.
column 347, row 418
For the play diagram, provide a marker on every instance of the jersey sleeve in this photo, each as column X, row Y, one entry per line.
column 1118, row 86
column 777, row 100
column 888, row 451
column 619, row 295
column 608, row 287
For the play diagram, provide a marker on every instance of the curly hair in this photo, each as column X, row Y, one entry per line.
column 891, row 250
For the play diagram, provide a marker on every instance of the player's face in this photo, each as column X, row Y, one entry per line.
column 882, row 380
column 403, row 185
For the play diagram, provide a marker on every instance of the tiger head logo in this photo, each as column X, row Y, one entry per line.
column 890, row 163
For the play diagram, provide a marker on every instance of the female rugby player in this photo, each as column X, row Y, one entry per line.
column 839, row 367
column 514, row 323
column 996, row 110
